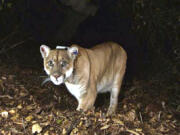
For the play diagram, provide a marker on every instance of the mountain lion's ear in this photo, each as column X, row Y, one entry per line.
column 44, row 49
column 73, row 52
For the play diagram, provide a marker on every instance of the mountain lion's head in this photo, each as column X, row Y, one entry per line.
column 59, row 63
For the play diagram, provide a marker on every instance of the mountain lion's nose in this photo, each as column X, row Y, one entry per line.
column 56, row 76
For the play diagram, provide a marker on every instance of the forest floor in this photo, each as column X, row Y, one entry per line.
column 26, row 107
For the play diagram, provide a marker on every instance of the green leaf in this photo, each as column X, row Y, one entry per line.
column 59, row 121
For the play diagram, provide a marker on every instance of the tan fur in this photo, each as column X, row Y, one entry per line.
column 96, row 70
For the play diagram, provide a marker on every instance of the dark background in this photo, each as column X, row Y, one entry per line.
column 148, row 30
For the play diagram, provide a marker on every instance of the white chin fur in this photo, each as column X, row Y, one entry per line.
column 57, row 81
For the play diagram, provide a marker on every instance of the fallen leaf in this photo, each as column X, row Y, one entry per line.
column 64, row 131
column 3, row 132
column 74, row 131
column 104, row 127
column 124, row 106
column 138, row 129
column 30, row 107
column 18, row 123
column 59, row 121
column 23, row 94
column 14, row 131
column 38, row 110
column 163, row 129
column 51, row 128
column 80, row 124
column 12, row 111
column 14, row 118
column 4, row 114
column 36, row 128
column 45, row 123
column 131, row 131
column 33, row 122
column 39, row 117
column 169, row 116
column 29, row 118
column 118, row 122
column 46, row 133
column 131, row 115
column 4, row 78
column 19, row 106
column 88, row 123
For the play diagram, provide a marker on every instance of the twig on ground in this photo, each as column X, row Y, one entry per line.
column 72, row 126
column 24, row 125
column 6, row 96
column 159, row 116
column 131, row 131
column 140, row 117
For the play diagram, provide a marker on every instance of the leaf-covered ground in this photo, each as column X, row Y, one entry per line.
column 26, row 107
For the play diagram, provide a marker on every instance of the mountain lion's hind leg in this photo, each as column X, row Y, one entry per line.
column 113, row 100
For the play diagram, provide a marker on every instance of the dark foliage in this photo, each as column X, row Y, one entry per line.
column 147, row 29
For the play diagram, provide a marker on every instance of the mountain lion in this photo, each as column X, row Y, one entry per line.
column 87, row 72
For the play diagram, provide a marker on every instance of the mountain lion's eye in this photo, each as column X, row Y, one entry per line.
column 63, row 63
column 50, row 63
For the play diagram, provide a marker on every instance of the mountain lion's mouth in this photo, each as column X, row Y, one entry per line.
column 57, row 81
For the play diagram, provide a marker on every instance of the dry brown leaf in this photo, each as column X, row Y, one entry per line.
column 23, row 94
column 29, row 107
column 3, row 132
column 105, row 127
column 131, row 115
column 138, row 129
column 74, row 131
column 15, row 117
column 118, row 122
column 39, row 116
column 51, row 128
column 12, row 111
column 64, row 131
column 133, row 132
column 163, row 129
column 4, row 78
column 80, row 124
column 45, row 123
column 4, row 114
column 36, row 128
column 18, row 123
column 19, row 106
column 46, row 133
column 33, row 122
column 29, row 118
column 169, row 116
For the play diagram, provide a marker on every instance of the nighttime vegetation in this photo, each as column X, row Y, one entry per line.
column 149, row 101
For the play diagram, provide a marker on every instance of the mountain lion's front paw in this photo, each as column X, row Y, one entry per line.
column 79, row 109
